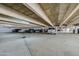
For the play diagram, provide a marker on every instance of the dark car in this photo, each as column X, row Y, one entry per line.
column 16, row 30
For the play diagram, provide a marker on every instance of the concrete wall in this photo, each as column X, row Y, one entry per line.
column 4, row 29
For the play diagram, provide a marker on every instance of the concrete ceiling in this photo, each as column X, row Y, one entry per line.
column 41, row 14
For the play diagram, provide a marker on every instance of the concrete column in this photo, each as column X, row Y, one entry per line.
column 76, row 29
column 56, row 29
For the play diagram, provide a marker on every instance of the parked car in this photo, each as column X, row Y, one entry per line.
column 16, row 30
column 51, row 31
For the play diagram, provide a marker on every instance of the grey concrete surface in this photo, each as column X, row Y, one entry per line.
column 12, row 44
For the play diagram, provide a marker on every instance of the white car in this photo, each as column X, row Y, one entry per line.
column 51, row 31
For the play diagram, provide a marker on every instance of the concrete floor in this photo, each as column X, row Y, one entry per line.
column 12, row 44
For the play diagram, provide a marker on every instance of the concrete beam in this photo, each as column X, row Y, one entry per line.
column 10, row 12
column 38, row 10
column 16, row 21
column 76, row 8
column 63, row 8
column 16, row 24
column 75, row 21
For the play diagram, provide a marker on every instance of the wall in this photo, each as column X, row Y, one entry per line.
column 4, row 29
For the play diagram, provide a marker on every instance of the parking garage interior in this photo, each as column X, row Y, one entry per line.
column 39, row 29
